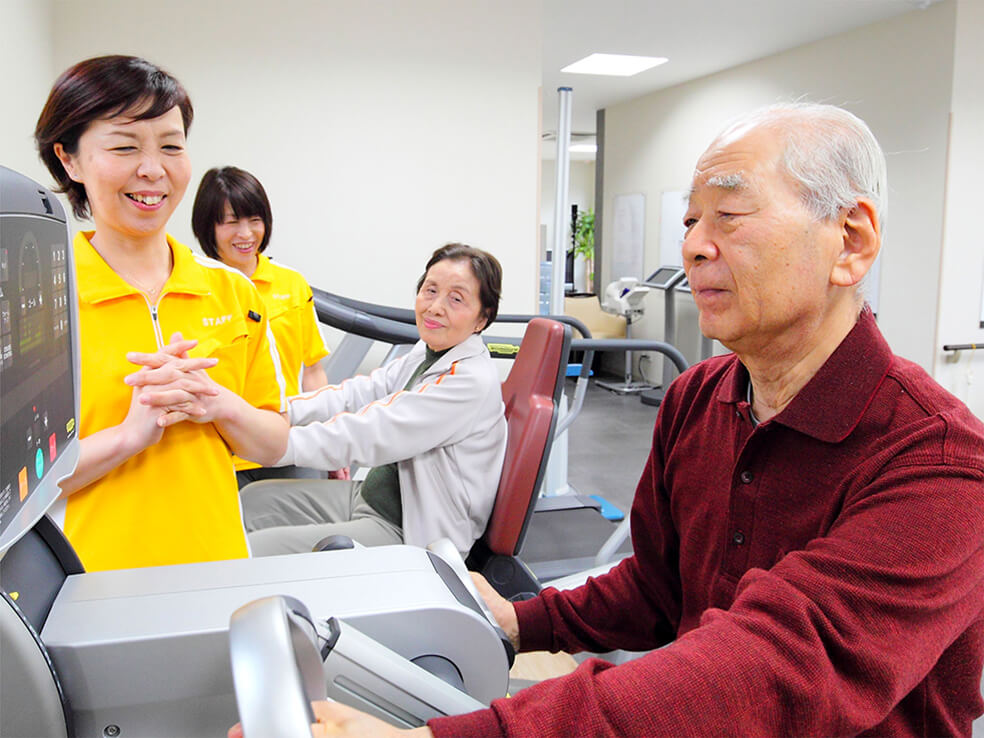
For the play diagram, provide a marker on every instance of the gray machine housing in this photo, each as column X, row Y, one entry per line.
column 147, row 650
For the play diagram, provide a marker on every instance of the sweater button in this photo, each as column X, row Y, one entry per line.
column 746, row 477
column 738, row 538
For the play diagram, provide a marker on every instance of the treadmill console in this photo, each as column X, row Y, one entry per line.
column 38, row 354
column 665, row 277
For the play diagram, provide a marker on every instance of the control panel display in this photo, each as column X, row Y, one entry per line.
column 37, row 405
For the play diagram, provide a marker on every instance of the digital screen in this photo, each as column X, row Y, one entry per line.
column 37, row 404
column 662, row 276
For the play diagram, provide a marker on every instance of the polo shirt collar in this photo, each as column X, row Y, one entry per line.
column 264, row 270
column 101, row 283
column 832, row 403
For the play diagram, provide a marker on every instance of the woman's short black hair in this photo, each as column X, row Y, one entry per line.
column 484, row 266
column 96, row 89
column 245, row 196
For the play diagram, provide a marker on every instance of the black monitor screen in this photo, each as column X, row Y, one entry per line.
column 37, row 382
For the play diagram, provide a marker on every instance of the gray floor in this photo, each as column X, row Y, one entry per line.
column 608, row 444
column 607, row 449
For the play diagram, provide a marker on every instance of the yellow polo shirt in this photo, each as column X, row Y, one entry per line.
column 177, row 501
column 293, row 321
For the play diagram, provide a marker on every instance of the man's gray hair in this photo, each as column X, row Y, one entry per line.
column 829, row 153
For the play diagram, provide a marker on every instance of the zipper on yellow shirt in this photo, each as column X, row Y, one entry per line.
column 157, row 326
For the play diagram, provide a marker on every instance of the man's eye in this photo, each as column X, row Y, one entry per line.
column 173, row 149
column 124, row 149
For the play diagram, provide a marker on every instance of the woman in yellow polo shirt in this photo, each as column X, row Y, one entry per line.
column 233, row 223
column 112, row 134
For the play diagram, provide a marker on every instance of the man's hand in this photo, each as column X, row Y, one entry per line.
column 502, row 609
column 336, row 719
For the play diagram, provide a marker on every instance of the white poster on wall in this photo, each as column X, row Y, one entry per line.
column 671, row 230
column 629, row 236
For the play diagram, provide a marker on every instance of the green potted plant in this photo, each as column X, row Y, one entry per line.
column 584, row 242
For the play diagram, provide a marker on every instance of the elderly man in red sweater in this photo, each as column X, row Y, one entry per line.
column 809, row 528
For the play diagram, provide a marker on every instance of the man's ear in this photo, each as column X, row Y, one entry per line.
column 861, row 237
column 68, row 162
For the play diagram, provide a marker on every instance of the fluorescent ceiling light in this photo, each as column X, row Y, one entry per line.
column 583, row 148
column 617, row 65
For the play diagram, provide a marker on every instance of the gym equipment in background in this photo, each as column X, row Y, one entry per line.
column 626, row 297
column 666, row 278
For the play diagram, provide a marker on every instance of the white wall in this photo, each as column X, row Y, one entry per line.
column 962, row 272
column 896, row 75
column 581, row 192
column 26, row 61
column 380, row 129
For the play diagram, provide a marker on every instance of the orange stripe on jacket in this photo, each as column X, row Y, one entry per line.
column 392, row 399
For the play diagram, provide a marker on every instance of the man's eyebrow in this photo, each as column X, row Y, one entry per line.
column 733, row 181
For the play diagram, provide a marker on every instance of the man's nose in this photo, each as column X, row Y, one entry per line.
column 699, row 244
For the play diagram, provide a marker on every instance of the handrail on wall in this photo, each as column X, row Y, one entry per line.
column 963, row 346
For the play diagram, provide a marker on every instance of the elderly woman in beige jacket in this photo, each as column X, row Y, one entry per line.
column 430, row 424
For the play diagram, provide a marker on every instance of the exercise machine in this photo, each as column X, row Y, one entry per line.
column 706, row 344
column 626, row 297
column 530, row 554
column 400, row 630
column 666, row 278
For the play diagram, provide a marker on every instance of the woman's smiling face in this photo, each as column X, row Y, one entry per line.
column 135, row 172
column 448, row 308
column 238, row 239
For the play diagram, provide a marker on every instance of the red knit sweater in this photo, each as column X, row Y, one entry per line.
column 821, row 573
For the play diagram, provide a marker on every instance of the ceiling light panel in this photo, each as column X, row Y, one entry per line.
column 615, row 65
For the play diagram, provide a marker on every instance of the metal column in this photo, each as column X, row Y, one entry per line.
column 561, row 205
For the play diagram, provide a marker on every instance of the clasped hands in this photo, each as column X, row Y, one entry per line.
column 175, row 384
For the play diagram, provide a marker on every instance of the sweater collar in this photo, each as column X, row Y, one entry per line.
column 98, row 282
column 832, row 403
column 471, row 346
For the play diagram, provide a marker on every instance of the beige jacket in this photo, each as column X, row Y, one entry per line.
column 447, row 434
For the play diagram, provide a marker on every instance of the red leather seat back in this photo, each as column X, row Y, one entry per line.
column 531, row 394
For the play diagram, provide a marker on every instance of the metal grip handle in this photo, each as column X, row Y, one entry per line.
column 276, row 667
column 447, row 551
